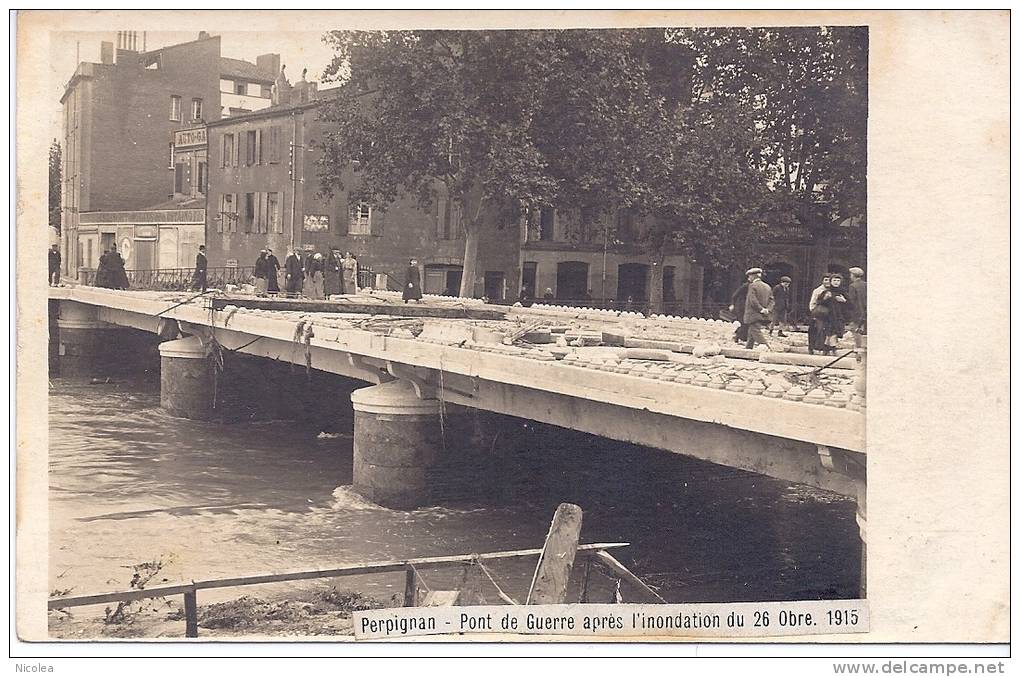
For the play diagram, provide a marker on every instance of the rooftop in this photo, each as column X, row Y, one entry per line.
column 244, row 70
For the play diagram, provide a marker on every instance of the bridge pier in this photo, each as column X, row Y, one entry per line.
column 410, row 451
column 87, row 347
column 186, row 379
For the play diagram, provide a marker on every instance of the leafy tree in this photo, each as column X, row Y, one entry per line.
column 709, row 135
column 55, row 176
column 423, row 112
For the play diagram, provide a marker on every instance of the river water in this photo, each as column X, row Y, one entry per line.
column 129, row 484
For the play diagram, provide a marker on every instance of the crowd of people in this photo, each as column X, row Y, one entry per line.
column 836, row 306
column 313, row 275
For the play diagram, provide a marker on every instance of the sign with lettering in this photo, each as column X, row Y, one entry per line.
column 231, row 263
column 190, row 137
column 316, row 222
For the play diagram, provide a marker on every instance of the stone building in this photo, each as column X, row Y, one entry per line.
column 259, row 197
column 120, row 117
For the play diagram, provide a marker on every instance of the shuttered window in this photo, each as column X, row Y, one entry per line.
column 228, row 150
column 274, row 222
column 248, row 213
column 250, row 148
column 274, row 144
column 361, row 220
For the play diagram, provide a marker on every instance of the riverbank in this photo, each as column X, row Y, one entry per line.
column 319, row 611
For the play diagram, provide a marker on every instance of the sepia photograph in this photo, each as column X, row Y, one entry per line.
column 351, row 324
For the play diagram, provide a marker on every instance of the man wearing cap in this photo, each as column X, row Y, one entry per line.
column 758, row 308
column 858, row 297
column 781, row 310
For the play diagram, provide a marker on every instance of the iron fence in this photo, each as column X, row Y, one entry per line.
column 175, row 279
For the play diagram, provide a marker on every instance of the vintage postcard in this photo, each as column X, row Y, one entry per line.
column 529, row 326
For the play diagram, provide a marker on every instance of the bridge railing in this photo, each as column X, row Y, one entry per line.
column 591, row 553
column 175, row 279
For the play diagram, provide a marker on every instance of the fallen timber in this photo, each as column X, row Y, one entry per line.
column 361, row 304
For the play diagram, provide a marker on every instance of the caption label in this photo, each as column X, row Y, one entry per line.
column 740, row 619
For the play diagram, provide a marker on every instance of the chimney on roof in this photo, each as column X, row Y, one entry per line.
column 268, row 63
column 281, row 88
column 305, row 91
column 203, row 35
column 106, row 52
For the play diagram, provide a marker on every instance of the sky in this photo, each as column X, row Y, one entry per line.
column 297, row 50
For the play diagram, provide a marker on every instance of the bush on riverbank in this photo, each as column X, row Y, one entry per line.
column 253, row 613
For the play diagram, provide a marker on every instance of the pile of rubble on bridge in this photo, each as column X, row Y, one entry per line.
column 689, row 351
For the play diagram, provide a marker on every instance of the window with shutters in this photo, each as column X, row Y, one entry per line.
column 175, row 108
column 179, row 170
column 547, row 222
column 274, row 144
column 227, row 215
column 249, row 155
column 260, row 150
column 228, row 150
column 448, row 221
column 273, row 213
column 361, row 220
column 196, row 109
column 248, row 214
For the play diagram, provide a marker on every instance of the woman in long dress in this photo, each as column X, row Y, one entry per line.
column 333, row 274
column 412, row 284
column 350, row 270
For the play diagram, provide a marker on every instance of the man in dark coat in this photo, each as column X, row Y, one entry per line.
column 272, row 269
column 115, row 264
column 737, row 304
column 295, row 274
column 757, row 309
column 858, row 297
column 201, row 270
column 781, row 310
column 53, row 278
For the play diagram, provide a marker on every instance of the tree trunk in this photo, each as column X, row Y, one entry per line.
column 471, row 210
column 655, row 283
column 467, row 280
column 820, row 252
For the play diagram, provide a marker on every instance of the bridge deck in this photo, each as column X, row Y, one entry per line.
column 640, row 389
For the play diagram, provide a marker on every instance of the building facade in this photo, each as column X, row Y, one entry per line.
column 576, row 256
column 264, row 191
column 247, row 87
column 120, row 118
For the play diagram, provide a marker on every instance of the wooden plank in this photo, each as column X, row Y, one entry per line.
column 656, row 344
column 127, row 596
column 582, row 597
column 623, row 572
column 441, row 598
column 549, row 585
column 411, row 587
column 352, row 570
column 190, row 614
column 362, row 305
column 848, row 362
